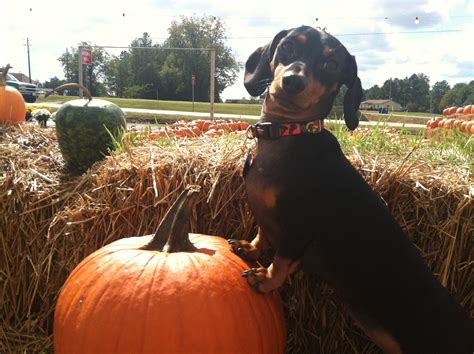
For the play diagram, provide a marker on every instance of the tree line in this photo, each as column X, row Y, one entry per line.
column 158, row 72
column 415, row 95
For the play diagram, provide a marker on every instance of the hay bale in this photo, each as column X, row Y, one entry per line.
column 50, row 221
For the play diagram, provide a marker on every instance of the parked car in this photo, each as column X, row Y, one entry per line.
column 29, row 91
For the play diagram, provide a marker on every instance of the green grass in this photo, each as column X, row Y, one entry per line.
column 454, row 147
column 226, row 108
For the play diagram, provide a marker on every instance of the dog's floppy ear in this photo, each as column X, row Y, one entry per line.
column 353, row 95
column 257, row 68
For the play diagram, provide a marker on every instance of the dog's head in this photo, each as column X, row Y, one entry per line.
column 303, row 69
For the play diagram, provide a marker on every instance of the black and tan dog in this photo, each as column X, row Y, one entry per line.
column 317, row 212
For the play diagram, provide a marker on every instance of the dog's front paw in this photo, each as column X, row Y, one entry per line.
column 244, row 249
column 258, row 279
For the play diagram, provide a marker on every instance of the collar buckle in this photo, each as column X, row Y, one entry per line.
column 314, row 127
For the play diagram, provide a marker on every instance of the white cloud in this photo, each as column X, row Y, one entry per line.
column 54, row 25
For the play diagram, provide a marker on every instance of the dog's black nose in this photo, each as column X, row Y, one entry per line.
column 293, row 84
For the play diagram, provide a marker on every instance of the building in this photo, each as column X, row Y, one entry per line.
column 21, row 77
column 378, row 105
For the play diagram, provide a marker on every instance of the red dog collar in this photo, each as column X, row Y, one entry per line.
column 269, row 130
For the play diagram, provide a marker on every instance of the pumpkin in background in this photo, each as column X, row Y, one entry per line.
column 12, row 104
column 452, row 110
column 470, row 127
column 445, row 111
column 468, row 109
column 460, row 110
column 171, row 293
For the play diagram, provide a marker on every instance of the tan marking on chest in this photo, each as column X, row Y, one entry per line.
column 268, row 196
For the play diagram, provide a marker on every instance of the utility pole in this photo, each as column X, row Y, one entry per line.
column 67, row 65
column 80, row 72
column 28, row 51
column 213, row 78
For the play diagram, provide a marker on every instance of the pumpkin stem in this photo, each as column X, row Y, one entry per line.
column 173, row 233
column 72, row 85
column 3, row 80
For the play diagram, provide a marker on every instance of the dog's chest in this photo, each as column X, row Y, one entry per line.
column 281, row 172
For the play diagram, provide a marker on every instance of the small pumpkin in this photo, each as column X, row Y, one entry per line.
column 452, row 110
column 173, row 292
column 470, row 127
column 86, row 129
column 12, row 104
column 449, row 123
column 468, row 109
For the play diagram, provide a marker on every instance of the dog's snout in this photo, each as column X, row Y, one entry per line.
column 297, row 67
column 293, row 83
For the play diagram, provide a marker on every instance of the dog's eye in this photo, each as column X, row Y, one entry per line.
column 287, row 50
column 330, row 65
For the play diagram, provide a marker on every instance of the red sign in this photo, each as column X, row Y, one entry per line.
column 193, row 80
column 86, row 56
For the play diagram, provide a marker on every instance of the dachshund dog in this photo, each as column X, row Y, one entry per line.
column 317, row 213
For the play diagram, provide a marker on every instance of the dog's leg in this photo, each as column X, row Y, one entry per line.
column 250, row 251
column 375, row 332
column 265, row 280
column 383, row 340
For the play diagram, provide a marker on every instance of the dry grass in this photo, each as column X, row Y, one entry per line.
column 51, row 220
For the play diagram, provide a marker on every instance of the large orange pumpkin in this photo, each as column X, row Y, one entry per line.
column 169, row 293
column 12, row 104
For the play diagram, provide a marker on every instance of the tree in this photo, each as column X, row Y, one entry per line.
column 418, row 93
column 193, row 32
column 373, row 93
column 117, row 74
column 395, row 90
column 53, row 83
column 438, row 90
column 93, row 74
column 461, row 94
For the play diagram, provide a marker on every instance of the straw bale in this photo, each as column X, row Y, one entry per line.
column 52, row 220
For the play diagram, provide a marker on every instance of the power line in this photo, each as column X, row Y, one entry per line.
column 344, row 34
column 364, row 34
column 156, row 48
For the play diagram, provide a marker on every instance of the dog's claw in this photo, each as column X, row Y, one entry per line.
column 248, row 272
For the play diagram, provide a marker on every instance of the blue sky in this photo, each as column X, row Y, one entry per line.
column 381, row 34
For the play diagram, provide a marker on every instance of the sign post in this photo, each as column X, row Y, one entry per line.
column 85, row 59
column 193, row 83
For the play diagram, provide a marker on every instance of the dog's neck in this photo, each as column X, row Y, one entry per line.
column 273, row 118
